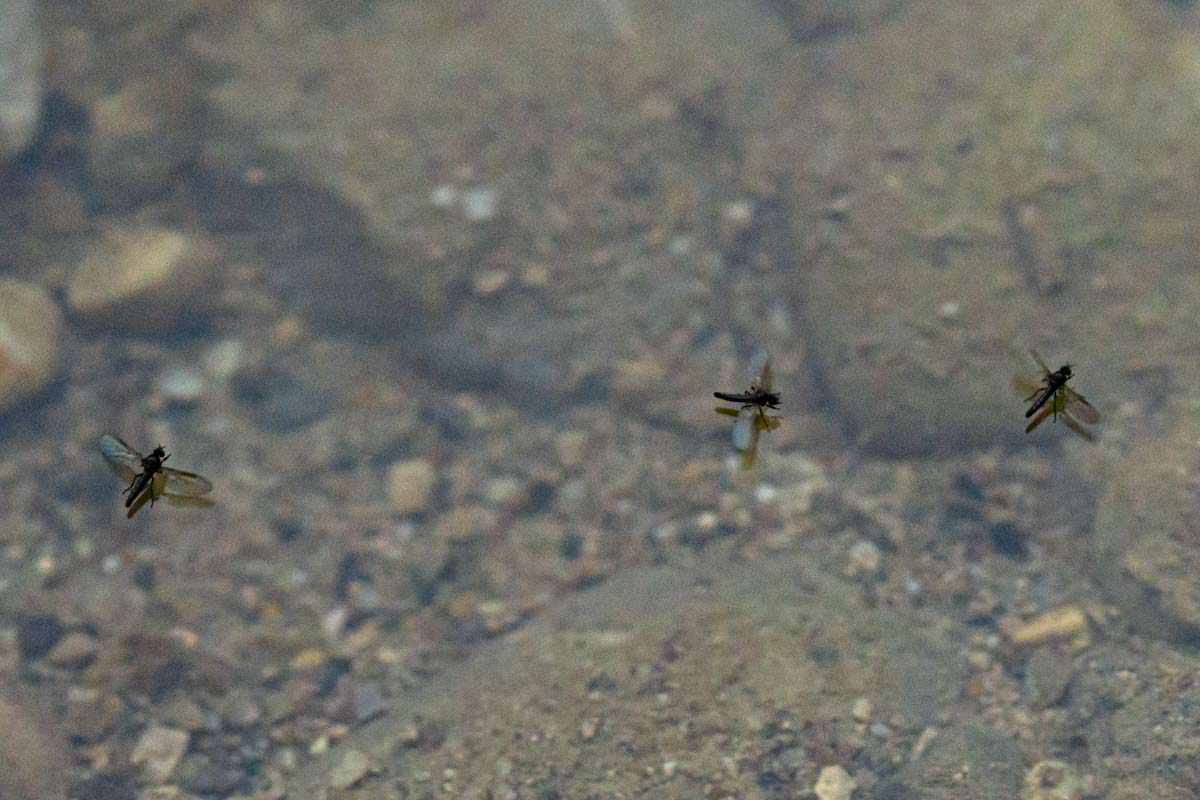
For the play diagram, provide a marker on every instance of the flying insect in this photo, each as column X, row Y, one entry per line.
column 149, row 479
column 752, row 418
column 1053, row 398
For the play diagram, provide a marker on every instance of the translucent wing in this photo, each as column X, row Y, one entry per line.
column 121, row 458
column 160, row 486
column 1078, row 406
column 760, row 368
column 151, row 490
column 1026, row 387
column 1073, row 407
column 180, row 483
column 751, row 422
column 1074, row 424
column 1040, row 362
column 1039, row 419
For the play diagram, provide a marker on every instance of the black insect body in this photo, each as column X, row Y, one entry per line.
column 1053, row 398
column 1052, row 382
column 751, row 414
column 149, row 479
column 151, row 466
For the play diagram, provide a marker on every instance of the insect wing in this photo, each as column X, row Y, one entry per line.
column 1076, row 426
column 1040, row 362
column 1039, row 419
column 121, row 458
column 760, row 368
column 768, row 423
column 180, row 483
column 1078, row 406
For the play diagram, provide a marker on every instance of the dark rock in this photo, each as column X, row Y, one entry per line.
column 1047, row 676
column 37, row 635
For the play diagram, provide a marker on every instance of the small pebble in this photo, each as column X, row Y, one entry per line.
column 444, row 196
column 224, row 358
column 410, row 486
column 307, row 659
column 74, row 651
column 181, row 385
column 29, row 335
column 680, row 246
column 369, row 701
column 570, row 447
column 862, row 709
column 492, row 282
column 90, row 715
column 736, row 219
column 240, row 709
column 159, row 751
column 351, row 768
column 1052, row 780
column 1061, row 623
column 834, row 783
column 536, row 276
column 865, row 559
column 765, row 493
column 479, row 204
column 948, row 310
column 1047, row 676
column 506, row 492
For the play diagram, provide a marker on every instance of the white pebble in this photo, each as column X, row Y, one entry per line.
column 158, row 751
column 865, row 559
column 834, row 783
column 444, row 196
column 223, row 358
column 765, row 493
column 181, row 384
column 862, row 709
column 479, row 204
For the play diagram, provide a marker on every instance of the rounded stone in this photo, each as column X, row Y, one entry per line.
column 20, row 75
column 148, row 280
column 834, row 783
column 410, row 486
column 940, row 245
column 74, row 651
column 29, row 334
column 182, row 385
